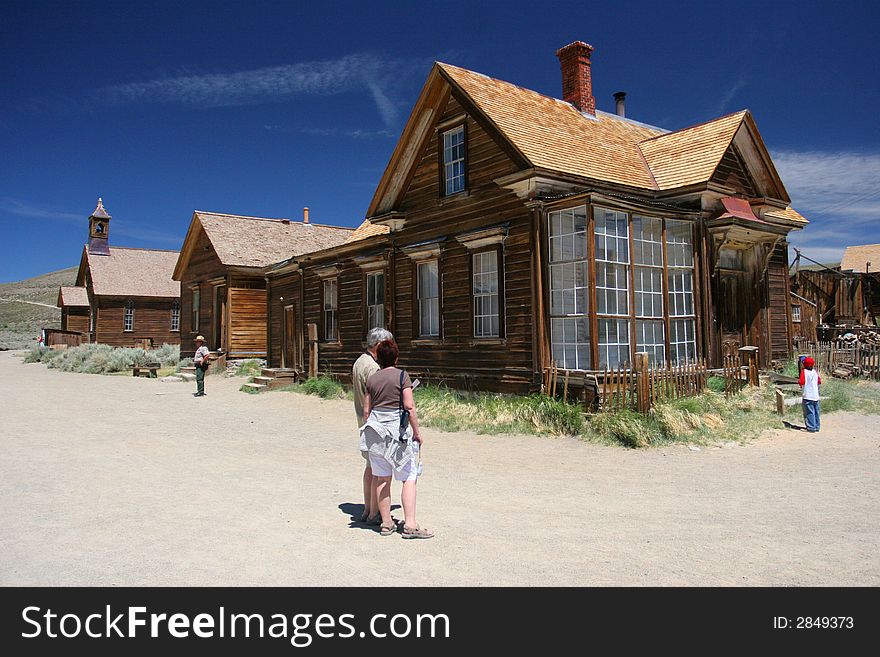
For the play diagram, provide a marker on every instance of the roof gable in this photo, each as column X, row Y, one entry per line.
column 72, row 296
column 256, row 242
column 127, row 272
column 856, row 258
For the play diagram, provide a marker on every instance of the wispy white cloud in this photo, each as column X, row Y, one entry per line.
column 359, row 72
column 732, row 90
column 839, row 192
column 120, row 227
column 21, row 208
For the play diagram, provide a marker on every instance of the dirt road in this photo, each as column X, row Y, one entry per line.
column 122, row 481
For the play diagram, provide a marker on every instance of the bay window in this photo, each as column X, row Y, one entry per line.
column 641, row 296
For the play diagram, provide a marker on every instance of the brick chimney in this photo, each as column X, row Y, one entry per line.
column 305, row 215
column 577, row 80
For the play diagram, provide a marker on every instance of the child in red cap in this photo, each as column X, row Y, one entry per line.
column 810, row 382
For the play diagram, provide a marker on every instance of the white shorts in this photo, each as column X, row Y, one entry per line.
column 382, row 468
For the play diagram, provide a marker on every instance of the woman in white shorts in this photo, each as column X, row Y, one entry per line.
column 392, row 451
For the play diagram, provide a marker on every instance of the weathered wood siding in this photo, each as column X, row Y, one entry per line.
column 152, row 319
column 779, row 304
column 203, row 265
column 731, row 172
column 840, row 298
column 456, row 357
column 75, row 319
column 247, row 322
column 282, row 291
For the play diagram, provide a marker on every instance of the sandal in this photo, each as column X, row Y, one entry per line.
column 416, row 532
column 388, row 530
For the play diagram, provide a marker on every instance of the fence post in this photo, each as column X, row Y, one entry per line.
column 643, row 391
column 313, row 350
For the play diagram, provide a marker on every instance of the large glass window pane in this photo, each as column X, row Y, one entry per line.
column 569, row 278
column 650, row 339
column 613, row 342
column 682, row 341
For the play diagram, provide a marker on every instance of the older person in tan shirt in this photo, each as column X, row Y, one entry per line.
column 363, row 367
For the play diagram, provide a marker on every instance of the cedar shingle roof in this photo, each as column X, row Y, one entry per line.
column 133, row 272
column 72, row 296
column 788, row 214
column 552, row 134
column 691, row 155
column 242, row 241
column 855, row 258
column 367, row 229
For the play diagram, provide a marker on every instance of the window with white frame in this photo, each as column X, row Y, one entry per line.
column 569, row 289
column 680, row 285
column 647, row 236
column 453, row 161
column 486, row 294
column 175, row 315
column 611, row 230
column 128, row 317
column 429, row 299
column 330, row 304
column 796, row 313
column 196, row 303
column 375, row 300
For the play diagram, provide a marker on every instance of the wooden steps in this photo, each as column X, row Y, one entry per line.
column 271, row 378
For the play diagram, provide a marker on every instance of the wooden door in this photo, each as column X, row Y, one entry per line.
column 219, row 319
column 733, row 310
column 291, row 351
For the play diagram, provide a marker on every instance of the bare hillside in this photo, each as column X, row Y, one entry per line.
column 29, row 305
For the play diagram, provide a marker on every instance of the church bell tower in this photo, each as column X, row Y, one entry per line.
column 99, row 230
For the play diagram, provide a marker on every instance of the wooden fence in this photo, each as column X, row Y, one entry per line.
column 735, row 375
column 630, row 387
column 863, row 357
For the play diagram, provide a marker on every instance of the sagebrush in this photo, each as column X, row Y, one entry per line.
column 102, row 358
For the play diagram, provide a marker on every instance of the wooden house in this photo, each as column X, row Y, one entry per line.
column 511, row 229
column 221, row 272
column 74, row 305
column 131, row 296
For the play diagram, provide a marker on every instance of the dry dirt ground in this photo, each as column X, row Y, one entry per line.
column 108, row 480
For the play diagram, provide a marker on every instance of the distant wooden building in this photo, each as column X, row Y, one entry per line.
column 130, row 293
column 845, row 294
column 74, row 305
column 221, row 270
column 511, row 230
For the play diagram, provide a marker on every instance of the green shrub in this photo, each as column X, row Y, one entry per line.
column 716, row 383
column 324, row 387
column 103, row 359
column 250, row 367
column 838, row 393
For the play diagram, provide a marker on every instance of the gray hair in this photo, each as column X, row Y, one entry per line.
column 377, row 335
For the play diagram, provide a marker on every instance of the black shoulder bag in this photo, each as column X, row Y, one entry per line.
column 404, row 414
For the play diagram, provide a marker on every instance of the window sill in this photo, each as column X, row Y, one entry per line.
column 476, row 342
column 334, row 345
column 428, row 342
column 128, row 330
column 449, row 198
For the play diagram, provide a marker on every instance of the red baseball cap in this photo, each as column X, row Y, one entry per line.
column 809, row 362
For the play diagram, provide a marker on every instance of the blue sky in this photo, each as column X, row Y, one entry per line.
column 265, row 107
